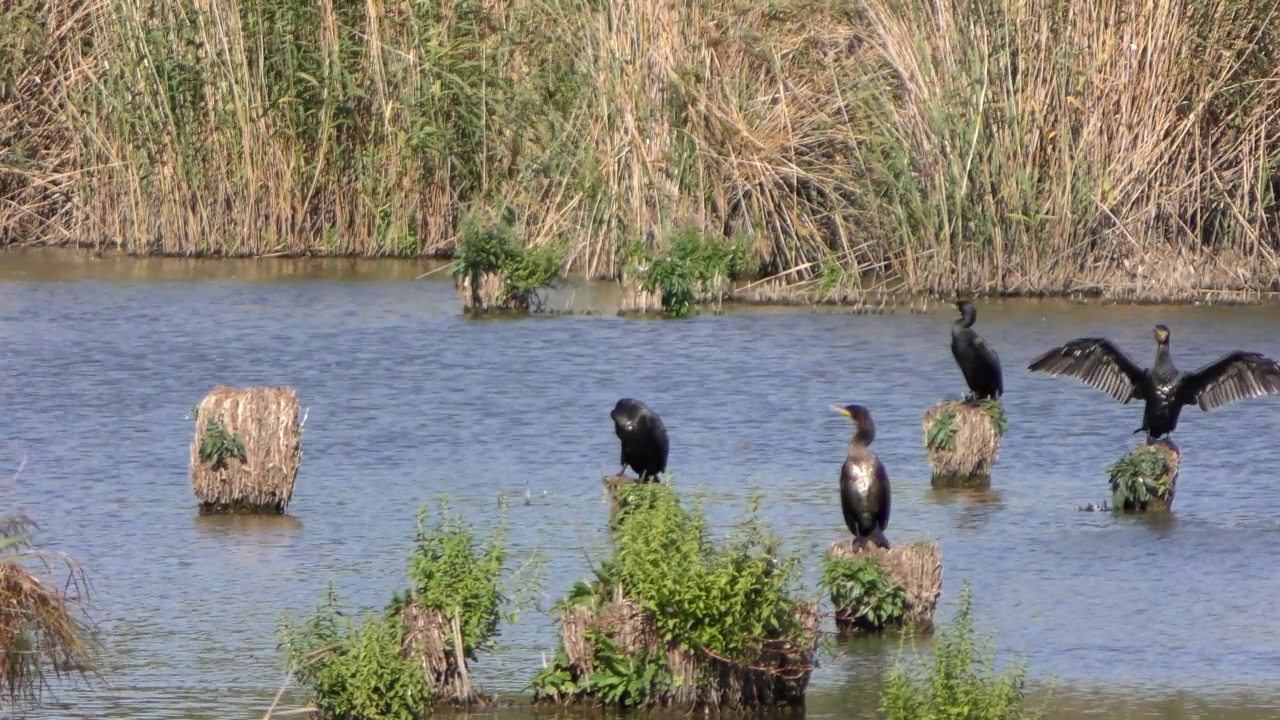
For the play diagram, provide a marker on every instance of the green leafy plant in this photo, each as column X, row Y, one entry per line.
column 959, row 682
column 493, row 248
column 995, row 410
column 219, row 445
column 1138, row 477
column 862, row 592
column 942, row 432
column 693, row 266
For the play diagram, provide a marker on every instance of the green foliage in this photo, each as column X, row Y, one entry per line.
column 995, row 410
column 359, row 670
column 356, row 670
column 1138, row 477
column 942, row 433
column 692, row 266
column 728, row 599
column 218, row 445
column 960, row 683
column 862, row 592
column 493, row 249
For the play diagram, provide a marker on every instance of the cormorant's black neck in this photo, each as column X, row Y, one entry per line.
column 865, row 433
column 967, row 317
column 1164, row 363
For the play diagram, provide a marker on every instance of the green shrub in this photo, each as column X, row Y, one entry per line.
column 862, row 592
column 493, row 248
column 694, row 266
column 960, row 683
column 360, row 669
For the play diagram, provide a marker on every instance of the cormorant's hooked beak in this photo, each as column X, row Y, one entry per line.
column 1162, row 334
column 842, row 410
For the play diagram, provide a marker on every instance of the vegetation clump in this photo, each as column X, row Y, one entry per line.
column 962, row 440
column 495, row 272
column 694, row 269
column 960, row 682
column 401, row 663
column 246, row 449
column 43, row 626
column 1145, row 479
column 674, row 619
column 874, row 588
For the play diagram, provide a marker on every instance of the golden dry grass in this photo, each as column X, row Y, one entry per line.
column 778, row 676
column 482, row 292
column 266, row 420
column 977, row 445
column 637, row 301
column 427, row 637
column 917, row 567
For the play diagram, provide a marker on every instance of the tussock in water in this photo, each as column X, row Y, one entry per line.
column 864, row 483
column 246, row 449
column 1164, row 388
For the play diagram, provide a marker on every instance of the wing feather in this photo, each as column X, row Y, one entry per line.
column 1097, row 362
column 1238, row 375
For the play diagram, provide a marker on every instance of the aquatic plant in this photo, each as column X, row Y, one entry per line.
column 694, row 268
column 494, row 271
column 960, row 681
column 861, row 591
column 259, row 427
column 400, row 663
column 873, row 588
column 1144, row 479
column 673, row 618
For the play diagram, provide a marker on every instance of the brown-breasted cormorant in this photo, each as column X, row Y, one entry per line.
column 864, row 484
column 1165, row 389
column 978, row 362
column 643, row 436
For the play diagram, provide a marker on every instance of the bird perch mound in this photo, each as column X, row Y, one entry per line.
column 595, row 633
column 434, row 642
column 962, row 440
column 873, row 588
column 1146, row 478
column 246, row 450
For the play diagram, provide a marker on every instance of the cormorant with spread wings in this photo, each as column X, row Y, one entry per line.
column 1165, row 389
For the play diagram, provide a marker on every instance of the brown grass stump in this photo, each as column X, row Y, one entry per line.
column 962, row 441
column 483, row 292
column 429, row 635
column 613, row 485
column 637, row 301
column 246, row 450
column 916, row 568
column 1146, row 478
column 778, row 677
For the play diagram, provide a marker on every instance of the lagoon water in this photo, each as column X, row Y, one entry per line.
column 407, row 400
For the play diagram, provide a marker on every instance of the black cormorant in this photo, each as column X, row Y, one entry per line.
column 1165, row 389
column 864, row 484
column 978, row 362
column 643, row 436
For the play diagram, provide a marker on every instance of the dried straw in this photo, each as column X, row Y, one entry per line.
column 266, row 421
column 977, row 446
column 426, row 640
column 703, row 680
column 483, row 291
column 635, row 300
column 916, row 567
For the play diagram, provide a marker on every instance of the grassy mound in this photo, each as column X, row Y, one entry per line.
column 1146, row 478
column 246, row 449
column 674, row 619
column 963, row 441
column 401, row 663
column 874, row 589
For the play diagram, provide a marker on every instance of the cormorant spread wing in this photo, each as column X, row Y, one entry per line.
column 1096, row 362
column 1238, row 375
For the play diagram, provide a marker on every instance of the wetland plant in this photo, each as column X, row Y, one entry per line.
column 864, row 595
column 694, row 269
column 246, row 449
column 495, row 272
column 959, row 681
column 400, row 663
column 675, row 619
column 1145, row 479
column 962, row 440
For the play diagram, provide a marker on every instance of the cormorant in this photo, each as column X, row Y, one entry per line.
column 978, row 362
column 864, row 484
column 1165, row 389
column 643, row 436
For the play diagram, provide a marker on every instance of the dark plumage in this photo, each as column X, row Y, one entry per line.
column 978, row 362
column 864, row 484
column 643, row 436
column 1165, row 389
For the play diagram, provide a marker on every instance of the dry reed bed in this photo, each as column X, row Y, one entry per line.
column 976, row 145
column 916, row 567
column 266, row 422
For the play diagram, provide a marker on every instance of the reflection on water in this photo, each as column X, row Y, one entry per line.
column 407, row 399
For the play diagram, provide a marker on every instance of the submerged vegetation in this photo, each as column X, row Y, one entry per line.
column 977, row 145
column 676, row 619
column 399, row 663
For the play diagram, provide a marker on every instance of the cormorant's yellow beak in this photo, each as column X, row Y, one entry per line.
column 1162, row 334
column 841, row 410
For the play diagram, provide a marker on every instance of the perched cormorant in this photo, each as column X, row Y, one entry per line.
column 1165, row 389
column 978, row 362
column 864, row 484
column 643, row 436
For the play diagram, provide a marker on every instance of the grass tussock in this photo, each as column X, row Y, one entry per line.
column 962, row 440
column 873, row 588
column 959, row 681
column 1146, row 478
column 674, row 619
column 415, row 655
column 246, row 449
column 975, row 146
